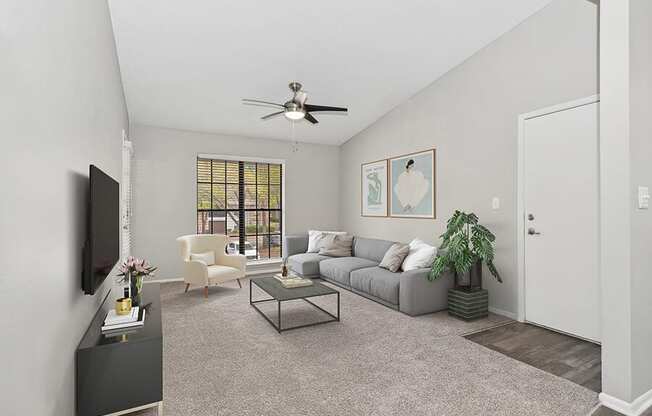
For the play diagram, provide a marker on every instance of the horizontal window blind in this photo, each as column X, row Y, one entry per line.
column 242, row 199
column 126, row 199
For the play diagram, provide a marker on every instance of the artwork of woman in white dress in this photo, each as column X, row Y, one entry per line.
column 412, row 185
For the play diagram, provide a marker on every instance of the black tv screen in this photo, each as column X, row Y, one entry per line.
column 102, row 247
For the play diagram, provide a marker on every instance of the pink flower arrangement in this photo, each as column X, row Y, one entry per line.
column 135, row 268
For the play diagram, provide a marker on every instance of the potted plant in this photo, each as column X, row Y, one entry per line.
column 132, row 271
column 465, row 246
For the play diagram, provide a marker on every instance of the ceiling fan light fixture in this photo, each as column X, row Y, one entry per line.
column 294, row 115
column 293, row 111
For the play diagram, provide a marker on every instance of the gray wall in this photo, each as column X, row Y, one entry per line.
column 641, row 174
column 470, row 117
column 615, row 201
column 165, row 187
column 61, row 108
column 625, row 132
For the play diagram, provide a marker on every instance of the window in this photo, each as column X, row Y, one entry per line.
column 242, row 200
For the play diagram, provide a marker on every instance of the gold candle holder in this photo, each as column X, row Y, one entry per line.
column 123, row 306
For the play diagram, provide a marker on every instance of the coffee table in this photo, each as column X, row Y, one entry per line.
column 280, row 294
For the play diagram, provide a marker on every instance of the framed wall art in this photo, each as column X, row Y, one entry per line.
column 412, row 185
column 374, row 189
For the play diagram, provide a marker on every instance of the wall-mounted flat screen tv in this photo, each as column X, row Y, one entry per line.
column 102, row 246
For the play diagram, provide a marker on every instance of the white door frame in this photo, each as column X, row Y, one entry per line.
column 520, row 190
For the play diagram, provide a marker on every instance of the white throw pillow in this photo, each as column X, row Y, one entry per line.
column 207, row 257
column 318, row 239
column 421, row 256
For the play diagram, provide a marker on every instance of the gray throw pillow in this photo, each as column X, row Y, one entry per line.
column 394, row 257
column 339, row 247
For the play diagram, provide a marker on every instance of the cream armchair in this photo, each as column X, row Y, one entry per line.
column 226, row 267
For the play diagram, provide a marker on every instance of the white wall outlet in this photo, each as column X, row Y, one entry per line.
column 643, row 197
column 495, row 203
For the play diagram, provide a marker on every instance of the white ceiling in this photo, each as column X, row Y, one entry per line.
column 187, row 64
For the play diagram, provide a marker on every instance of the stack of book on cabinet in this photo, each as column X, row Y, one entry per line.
column 115, row 322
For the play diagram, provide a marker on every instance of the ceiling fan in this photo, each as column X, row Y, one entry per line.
column 296, row 108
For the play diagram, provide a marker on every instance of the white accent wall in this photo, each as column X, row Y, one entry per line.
column 165, row 187
column 470, row 116
column 61, row 109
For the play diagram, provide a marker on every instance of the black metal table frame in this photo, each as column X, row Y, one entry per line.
column 278, row 326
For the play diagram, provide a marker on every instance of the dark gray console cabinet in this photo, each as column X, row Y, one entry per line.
column 116, row 373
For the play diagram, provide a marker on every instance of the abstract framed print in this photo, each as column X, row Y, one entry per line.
column 374, row 189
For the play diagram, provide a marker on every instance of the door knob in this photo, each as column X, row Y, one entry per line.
column 530, row 217
column 532, row 231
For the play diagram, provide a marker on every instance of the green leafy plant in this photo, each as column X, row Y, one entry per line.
column 464, row 243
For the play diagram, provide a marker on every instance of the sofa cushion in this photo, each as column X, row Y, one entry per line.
column 377, row 282
column 306, row 264
column 295, row 244
column 370, row 248
column 394, row 257
column 421, row 256
column 338, row 269
column 318, row 239
column 339, row 247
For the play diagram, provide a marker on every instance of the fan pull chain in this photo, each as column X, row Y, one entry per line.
column 295, row 146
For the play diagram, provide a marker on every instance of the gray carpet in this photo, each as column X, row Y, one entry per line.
column 222, row 358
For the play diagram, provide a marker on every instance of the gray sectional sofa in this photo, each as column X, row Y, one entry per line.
column 409, row 292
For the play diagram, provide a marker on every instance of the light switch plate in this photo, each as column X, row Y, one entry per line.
column 643, row 197
column 495, row 203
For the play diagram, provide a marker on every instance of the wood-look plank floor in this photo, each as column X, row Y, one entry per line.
column 603, row 411
column 571, row 358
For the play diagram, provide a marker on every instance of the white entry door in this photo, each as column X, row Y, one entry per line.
column 561, row 185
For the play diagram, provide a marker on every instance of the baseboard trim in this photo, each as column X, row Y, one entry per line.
column 635, row 408
column 255, row 272
column 174, row 279
column 510, row 315
column 263, row 271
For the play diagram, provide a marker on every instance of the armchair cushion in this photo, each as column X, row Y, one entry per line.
column 219, row 274
column 207, row 257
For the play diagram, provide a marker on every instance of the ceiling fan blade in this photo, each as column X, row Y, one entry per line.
column 312, row 108
column 268, row 116
column 263, row 103
column 310, row 118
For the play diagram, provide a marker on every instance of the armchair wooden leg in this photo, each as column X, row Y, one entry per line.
column 239, row 284
column 187, row 286
column 206, row 291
